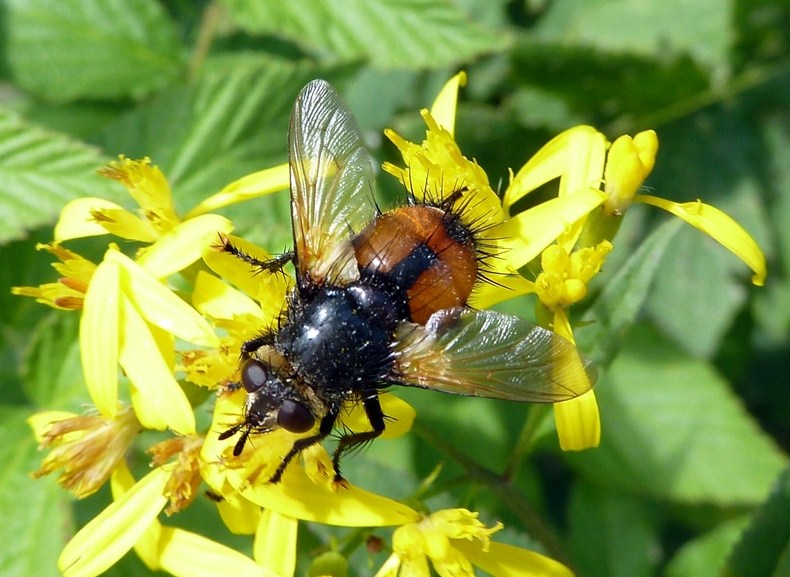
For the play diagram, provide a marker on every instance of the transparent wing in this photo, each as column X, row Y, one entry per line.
column 331, row 184
column 490, row 354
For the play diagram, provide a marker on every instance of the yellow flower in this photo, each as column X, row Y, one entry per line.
column 87, row 448
column 454, row 541
column 130, row 521
column 306, row 490
column 68, row 293
column 568, row 230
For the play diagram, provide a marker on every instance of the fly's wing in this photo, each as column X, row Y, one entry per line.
column 331, row 185
column 490, row 354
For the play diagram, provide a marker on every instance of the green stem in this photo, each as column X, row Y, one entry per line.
column 205, row 38
column 535, row 418
column 505, row 491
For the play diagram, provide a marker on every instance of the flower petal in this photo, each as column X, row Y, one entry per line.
column 297, row 496
column 147, row 547
column 41, row 422
column 502, row 560
column 443, row 109
column 578, row 420
column 576, row 156
column 400, row 416
column 216, row 300
column 268, row 289
column 247, row 187
column 720, row 227
column 77, row 221
column 162, row 402
column 99, row 333
column 104, row 540
column 528, row 233
column 183, row 244
column 187, row 554
column 239, row 515
column 275, row 543
column 159, row 305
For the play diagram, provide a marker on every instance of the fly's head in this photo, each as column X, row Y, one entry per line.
column 272, row 400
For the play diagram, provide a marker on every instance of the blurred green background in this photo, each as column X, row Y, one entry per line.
column 696, row 403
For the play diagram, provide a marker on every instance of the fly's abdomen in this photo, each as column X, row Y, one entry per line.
column 423, row 255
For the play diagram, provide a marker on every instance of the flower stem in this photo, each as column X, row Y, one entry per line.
column 535, row 418
column 504, row 489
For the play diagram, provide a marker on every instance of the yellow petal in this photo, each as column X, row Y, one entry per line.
column 99, row 332
column 720, row 227
column 297, row 496
column 576, row 155
column 528, row 233
column 124, row 224
column 216, row 300
column 159, row 305
column 502, row 560
column 239, row 515
column 578, row 423
column 247, row 187
column 400, row 416
column 40, row 423
column 275, row 543
column 186, row 554
column 115, row 530
column 578, row 420
column 269, row 289
column 183, row 244
column 163, row 403
column 443, row 109
column 147, row 547
column 390, row 567
column 77, row 221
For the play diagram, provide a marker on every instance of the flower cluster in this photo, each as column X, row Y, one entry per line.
column 177, row 312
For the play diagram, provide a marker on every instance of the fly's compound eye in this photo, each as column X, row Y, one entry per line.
column 253, row 375
column 295, row 417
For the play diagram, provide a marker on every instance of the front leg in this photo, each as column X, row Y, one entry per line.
column 347, row 442
column 327, row 423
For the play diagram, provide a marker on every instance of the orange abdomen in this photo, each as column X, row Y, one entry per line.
column 425, row 252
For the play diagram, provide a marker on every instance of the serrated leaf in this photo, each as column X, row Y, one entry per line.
column 611, row 534
column 52, row 370
column 704, row 556
column 697, row 286
column 619, row 304
column 34, row 513
column 389, row 33
column 672, row 429
column 647, row 28
column 232, row 122
column 68, row 49
column 41, row 171
column 764, row 550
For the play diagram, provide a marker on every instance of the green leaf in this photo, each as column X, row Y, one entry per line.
column 611, row 534
column 648, row 28
column 764, row 550
column 231, row 122
column 39, row 172
column 672, row 429
column 646, row 88
column 52, row 371
column 389, row 33
column 35, row 514
column 705, row 555
column 67, row 49
column 620, row 303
